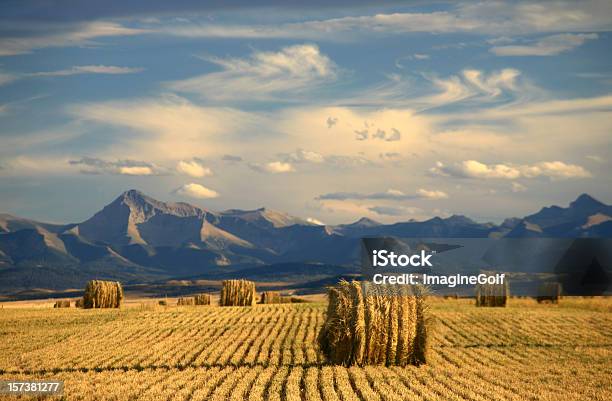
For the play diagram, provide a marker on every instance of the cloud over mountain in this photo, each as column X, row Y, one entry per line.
column 193, row 190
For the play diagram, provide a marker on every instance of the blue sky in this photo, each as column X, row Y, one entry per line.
column 331, row 111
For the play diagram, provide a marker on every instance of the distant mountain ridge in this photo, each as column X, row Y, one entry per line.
column 136, row 237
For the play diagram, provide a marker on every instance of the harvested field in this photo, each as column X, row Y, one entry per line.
column 525, row 351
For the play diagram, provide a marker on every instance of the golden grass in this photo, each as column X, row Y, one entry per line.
column 525, row 351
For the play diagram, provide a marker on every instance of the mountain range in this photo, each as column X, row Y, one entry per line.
column 137, row 239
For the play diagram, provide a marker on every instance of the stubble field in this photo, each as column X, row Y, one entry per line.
column 268, row 352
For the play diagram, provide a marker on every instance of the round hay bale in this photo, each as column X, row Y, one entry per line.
column 370, row 324
column 102, row 294
column 492, row 295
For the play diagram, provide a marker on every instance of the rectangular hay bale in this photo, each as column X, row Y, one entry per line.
column 202, row 299
column 64, row 303
column 271, row 297
column 237, row 293
column 185, row 301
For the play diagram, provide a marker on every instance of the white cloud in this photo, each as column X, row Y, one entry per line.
column 171, row 127
column 87, row 69
column 135, row 170
column 390, row 194
column 557, row 169
column 476, row 169
column 547, row 46
column 494, row 18
column 596, row 158
column 263, row 75
column 419, row 56
column 470, row 85
column 193, row 169
column 278, row 167
column 312, row 220
column 518, row 187
column 34, row 165
column 474, row 85
column 432, row 194
column 6, row 78
column 78, row 35
column 193, row 190
column 303, row 156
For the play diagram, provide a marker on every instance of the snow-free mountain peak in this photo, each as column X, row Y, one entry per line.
column 587, row 203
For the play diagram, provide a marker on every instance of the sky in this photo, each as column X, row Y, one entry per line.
column 332, row 111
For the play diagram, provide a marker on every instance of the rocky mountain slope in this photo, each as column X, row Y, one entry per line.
column 137, row 237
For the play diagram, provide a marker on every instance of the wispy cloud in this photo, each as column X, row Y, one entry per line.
column 92, row 165
column 390, row 194
column 263, row 75
column 547, row 46
column 431, row 194
column 78, row 35
column 518, row 187
column 302, row 156
column 476, row 169
column 170, row 127
column 6, row 78
column 193, row 168
column 86, row 69
column 394, row 211
column 427, row 91
column 231, row 158
column 493, row 18
column 275, row 167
